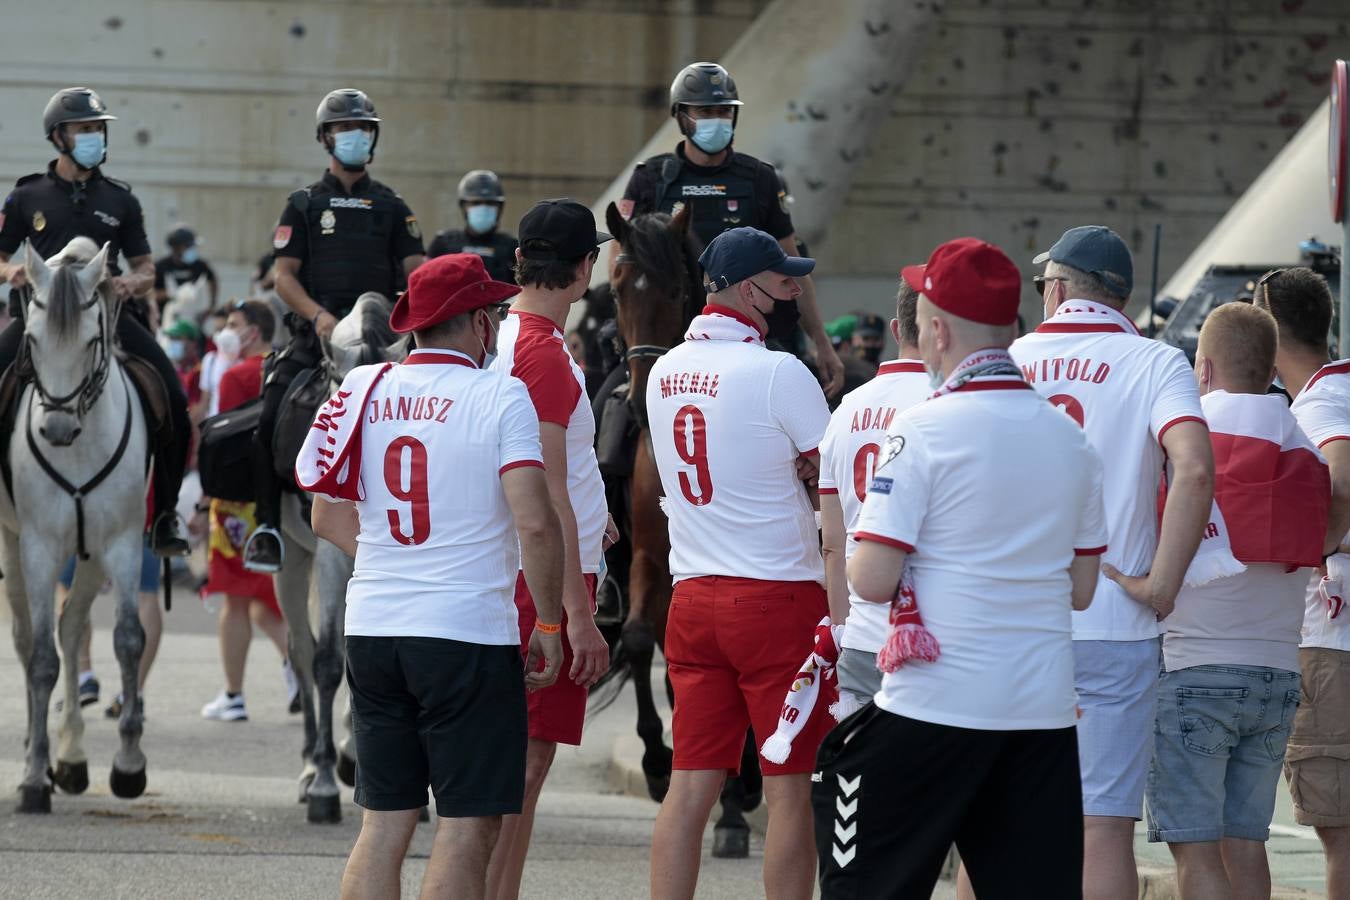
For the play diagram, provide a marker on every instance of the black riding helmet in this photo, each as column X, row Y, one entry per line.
column 346, row 105
column 181, row 236
column 481, row 186
column 703, row 84
column 73, row 104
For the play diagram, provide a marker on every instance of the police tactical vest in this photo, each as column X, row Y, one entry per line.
column 716, row 202
column 350, row 247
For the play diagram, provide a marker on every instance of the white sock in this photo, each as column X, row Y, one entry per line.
column 86, row 675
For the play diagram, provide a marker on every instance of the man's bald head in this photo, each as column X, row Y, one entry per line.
column 1239, row 340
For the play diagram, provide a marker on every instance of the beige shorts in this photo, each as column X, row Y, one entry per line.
column 1317, row 761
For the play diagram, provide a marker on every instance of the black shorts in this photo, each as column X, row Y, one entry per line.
column 891, row 795
column 448, row 715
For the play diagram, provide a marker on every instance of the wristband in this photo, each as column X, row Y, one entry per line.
column 548, row 629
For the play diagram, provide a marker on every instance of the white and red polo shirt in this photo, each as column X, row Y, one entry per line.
column 1323, row 412
column 530, row 347
column 1125, row 391
column 848, row 458
column 728, row 420
column 437, row 554
column 992, row 493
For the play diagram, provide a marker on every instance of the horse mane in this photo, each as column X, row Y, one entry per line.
column 63, row 303
column 658, row 254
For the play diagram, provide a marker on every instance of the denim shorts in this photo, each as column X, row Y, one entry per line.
column 1218, row 750
column 1117, row 684
column 150, row 566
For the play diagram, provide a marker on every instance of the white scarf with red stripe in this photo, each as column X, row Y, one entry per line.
column 330, row 460
column 722, row 323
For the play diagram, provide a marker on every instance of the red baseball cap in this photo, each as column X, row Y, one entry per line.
column 445, row 287
column 971, row 279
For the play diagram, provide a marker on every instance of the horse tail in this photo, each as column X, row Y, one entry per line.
column 605, row 691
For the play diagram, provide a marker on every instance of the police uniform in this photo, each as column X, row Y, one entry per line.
column 179, row 271
column 347, row 243
column 498, row 250
column 49, row 212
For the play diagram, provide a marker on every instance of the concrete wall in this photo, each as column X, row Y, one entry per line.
column 1020, row 118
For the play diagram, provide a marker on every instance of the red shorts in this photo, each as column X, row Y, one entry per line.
column 733, row 647
column 558, row 711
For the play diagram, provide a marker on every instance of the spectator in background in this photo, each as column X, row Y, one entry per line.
column 857, row 371
column 184, row 350
column 222, row 352
column 249, row 599
column 869, row 337
column 1230, row 681
column 183, row 265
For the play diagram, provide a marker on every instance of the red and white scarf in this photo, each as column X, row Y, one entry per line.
column 722, row 323
column 806, row 687
column 1085, row 316
column 330, row 460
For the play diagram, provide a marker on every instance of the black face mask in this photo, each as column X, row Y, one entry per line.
column 782, row 319
column 871, row 354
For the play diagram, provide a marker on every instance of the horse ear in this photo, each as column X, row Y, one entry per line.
column 94, row 271
column 36, row 269
column 679, row 223
column 618, row 225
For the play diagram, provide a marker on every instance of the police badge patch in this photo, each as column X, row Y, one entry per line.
column 39, row 221
column 327, row 221
column 281, row 237
column 414, row 230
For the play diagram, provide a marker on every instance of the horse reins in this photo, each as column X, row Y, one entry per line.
column 90, row 388
column 639, row 351
column 78, row 493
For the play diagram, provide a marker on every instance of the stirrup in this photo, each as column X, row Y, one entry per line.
column 255, row 557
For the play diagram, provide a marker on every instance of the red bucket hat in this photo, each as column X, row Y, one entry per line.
column 971, row 279
column 445, row 287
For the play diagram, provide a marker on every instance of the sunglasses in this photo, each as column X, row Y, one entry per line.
column 1040, row 282
column 501, row 309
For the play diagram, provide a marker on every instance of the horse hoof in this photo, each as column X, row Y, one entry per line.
column 306, row 781
column 73, row 778
column 657, row 785
column 346, row 770
column 35, row 799
column 324, row 809
column 424, row 815
column 731, row 843
column 127, row 785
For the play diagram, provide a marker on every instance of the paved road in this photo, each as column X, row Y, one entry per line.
column 220, row 817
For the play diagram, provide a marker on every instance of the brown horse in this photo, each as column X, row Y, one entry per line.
column 657, row 286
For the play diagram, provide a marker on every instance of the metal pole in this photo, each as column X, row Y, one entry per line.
column 1153, row 288
column 1343, row 350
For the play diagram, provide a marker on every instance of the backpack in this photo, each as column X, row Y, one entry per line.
column 299, row 405
column 225, row 453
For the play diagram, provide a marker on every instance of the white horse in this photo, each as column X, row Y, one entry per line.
column 78, row 456
column 190, row 302
column 312, row 584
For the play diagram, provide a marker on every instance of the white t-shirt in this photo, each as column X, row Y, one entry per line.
column 1323, row 412
column 728, row 420
column 214, row 367
column 437, row 554
column 531, row 348
column 1125, row 391
column 992, row 492
column 848, row 456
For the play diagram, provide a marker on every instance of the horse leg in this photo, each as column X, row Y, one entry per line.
column 292, row 589
column 72, row 766
column 21, row 623
column 123, row 562
column 333, row 570
column 731, row 833
column 41, row 668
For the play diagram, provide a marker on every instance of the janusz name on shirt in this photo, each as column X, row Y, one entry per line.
column 689, row 383
column 410, row 409
column 1061, row 369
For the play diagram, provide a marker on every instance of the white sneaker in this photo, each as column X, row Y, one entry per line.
column 292, row 687
column 226, row 708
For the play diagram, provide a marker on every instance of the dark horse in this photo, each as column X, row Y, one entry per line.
column 658, row 289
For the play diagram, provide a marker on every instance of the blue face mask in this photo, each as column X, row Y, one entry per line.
column 352, row 148
column 175, row 351
column 88, row 150
column 190, row 255
column 482, row 218
column 712, row 135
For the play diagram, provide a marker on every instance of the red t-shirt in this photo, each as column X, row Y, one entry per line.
column 241, row 383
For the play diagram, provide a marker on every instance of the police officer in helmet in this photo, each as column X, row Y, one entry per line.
column 183, row 265
column 342, row 236
column 73, row 198
column 480, row 200
column 726, row 189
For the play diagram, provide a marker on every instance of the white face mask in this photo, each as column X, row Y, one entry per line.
column 228, row 343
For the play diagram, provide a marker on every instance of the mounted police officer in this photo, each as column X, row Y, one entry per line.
column 726, row 189
column 73, row 198
column 481, row 200
column 342, row 236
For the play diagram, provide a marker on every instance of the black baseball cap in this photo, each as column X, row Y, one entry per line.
column 559, row 229
column 1097, row 250
column 739, row 253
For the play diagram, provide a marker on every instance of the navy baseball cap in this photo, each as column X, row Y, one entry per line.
column 739, row 253
column 1098, row 250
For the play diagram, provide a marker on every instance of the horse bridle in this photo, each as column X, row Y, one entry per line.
column 80, row 400
column 639, row 351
